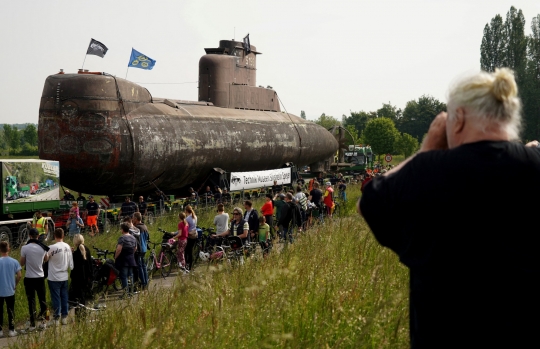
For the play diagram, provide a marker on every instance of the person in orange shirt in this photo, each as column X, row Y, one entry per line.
column 267, row 210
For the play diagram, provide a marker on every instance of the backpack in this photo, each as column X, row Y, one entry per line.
column 296, row 215
column 142, row 239
column 303, row 202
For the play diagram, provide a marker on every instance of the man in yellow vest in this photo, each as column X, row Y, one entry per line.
column 40, row 223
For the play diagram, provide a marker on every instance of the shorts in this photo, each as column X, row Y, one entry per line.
column 91, row 220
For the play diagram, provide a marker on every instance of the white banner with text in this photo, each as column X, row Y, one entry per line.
column 260, row 179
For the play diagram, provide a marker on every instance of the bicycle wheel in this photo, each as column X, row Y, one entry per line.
column 166, row 265
column 173, row 259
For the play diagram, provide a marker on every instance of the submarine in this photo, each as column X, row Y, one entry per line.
column 112, row 137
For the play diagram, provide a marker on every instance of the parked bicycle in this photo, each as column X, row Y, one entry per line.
column 104, row 274
column 165, row 259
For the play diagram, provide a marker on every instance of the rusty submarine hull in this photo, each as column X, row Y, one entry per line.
column 112, row 136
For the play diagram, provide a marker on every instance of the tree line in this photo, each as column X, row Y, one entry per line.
column 504, row 44
column 389, row 129
column 18, row 141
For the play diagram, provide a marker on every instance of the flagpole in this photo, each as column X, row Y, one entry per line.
column 126, row 72
column 84, row 60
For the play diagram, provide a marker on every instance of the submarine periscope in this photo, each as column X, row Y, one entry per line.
column 112, row 136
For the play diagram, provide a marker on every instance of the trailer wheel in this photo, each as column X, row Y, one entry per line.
column 5, row 234
column 22, row 237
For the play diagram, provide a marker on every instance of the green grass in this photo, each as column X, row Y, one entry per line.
column 335, row 287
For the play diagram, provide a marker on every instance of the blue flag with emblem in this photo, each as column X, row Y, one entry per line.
column 138, row 60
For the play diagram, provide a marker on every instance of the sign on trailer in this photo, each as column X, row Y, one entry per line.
column 259, row 179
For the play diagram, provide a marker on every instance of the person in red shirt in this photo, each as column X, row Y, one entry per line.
column 267, row 210
column 329, row 199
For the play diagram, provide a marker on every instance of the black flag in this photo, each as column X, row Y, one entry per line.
column 247, row 46
column 96, row 48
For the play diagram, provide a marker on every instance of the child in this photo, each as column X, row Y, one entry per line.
column 75, row 208
column 10, row 274
column 182, row 236
column 264, row 234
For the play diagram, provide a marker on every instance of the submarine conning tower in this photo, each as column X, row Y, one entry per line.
column 227, row 78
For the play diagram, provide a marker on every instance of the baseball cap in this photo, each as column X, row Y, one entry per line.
column 33, row 232
column 328, row 183
column 282, row 195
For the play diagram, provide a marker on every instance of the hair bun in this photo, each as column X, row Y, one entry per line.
column 504, row 85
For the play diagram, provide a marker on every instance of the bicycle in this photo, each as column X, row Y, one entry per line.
column 104, row 274
column 202, row 243
column 163, row 261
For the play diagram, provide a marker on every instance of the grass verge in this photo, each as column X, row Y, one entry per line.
column 335, row 287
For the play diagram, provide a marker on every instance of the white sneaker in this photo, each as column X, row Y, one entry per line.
column 12, row 333
column 28, row 327
column 54, row 322
column 64, row 321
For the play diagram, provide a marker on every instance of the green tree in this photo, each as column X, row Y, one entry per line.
column 516, row 41
column 359, row 120
column 12, row 137
column 406, row 144
column 303, row 114
column 327, row 121
column 418, row 115
column 492, row 49
column 530, row 86
column 30, row 135
column 353, row 134
column 389, row 111
column 381, row 134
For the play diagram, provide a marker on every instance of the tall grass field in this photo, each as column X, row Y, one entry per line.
column 334, row 287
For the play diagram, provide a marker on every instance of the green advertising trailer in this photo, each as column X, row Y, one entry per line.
column 22, row 196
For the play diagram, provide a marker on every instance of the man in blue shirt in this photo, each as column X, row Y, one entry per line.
column 74, row 224
column 10, row 275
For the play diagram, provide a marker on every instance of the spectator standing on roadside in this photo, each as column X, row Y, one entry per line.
column 278, row 202
column 128, row 208
column 74, row 224
column 182, row 237
column 329, row 199
column 125, row 256
column 342, row 187
column 81, row 197
column 191, row 219
column 93, row 210
column 284, row 223
column 33, row 255
column 81, row 272
column 208, row 196
column 60, row 261
column 473, row 282
column 10, row 275
column 143, row 206
column 252, row 217
column 315, row 195
column 143, row 237
column 267, row 211
column 221, row 220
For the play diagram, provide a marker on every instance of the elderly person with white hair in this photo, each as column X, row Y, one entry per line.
column 456, row 214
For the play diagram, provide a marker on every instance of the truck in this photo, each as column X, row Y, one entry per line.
column 360, row 157
column 21, row 201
